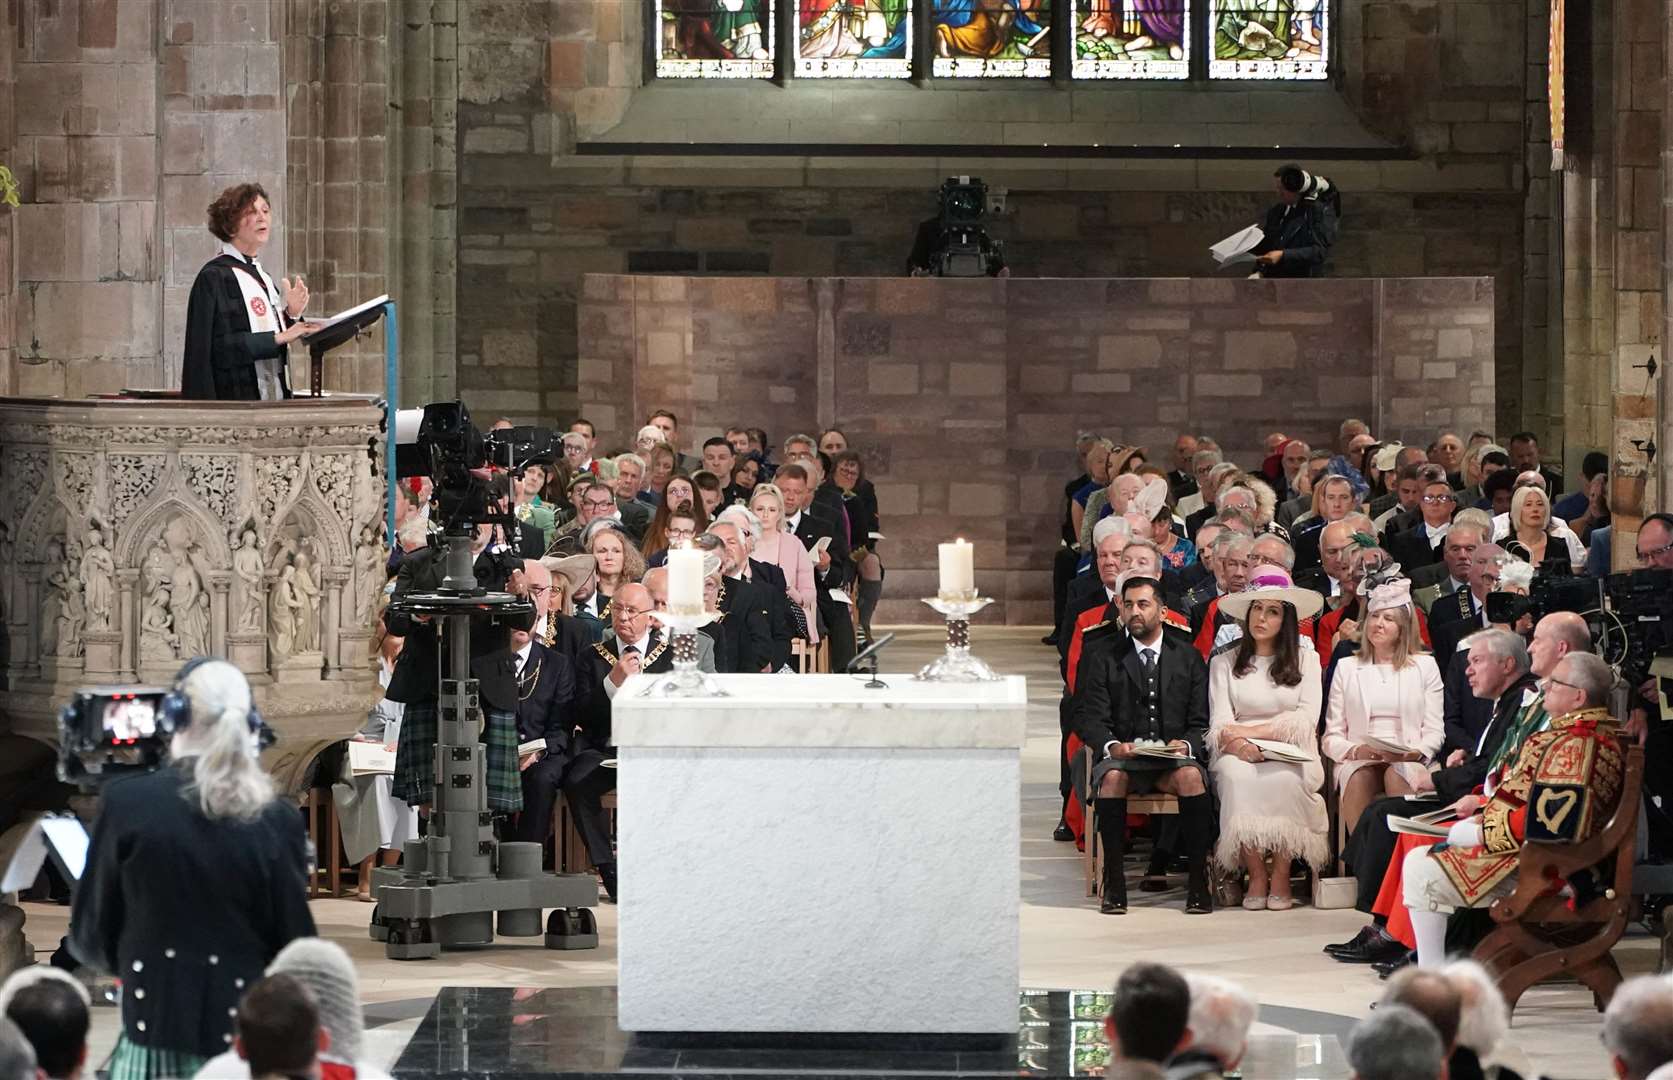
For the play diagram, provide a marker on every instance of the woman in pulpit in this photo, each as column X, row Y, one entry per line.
column 238, row 323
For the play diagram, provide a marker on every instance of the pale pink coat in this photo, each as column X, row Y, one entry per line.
column 787, row 552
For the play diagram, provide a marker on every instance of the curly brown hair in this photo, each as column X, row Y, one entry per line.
column 230, row 206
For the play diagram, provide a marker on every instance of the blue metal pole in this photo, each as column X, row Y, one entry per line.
column 391, row 372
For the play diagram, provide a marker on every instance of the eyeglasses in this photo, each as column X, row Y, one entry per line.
column 538, row 591
column 1433, row 499
column 593, row 504
column 1654, row 553
column 629, row 612
column 1559, row 682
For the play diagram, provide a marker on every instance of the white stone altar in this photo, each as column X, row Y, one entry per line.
column 808, row 855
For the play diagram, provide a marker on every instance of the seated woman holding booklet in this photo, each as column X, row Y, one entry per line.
column 1383, row 723
column 1264, row 696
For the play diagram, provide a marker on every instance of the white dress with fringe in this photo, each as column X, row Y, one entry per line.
column 1269, row 804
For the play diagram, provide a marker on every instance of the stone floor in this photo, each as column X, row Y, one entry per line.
column 1066, row 944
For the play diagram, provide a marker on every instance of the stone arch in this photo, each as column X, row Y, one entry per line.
column 308, row 515
column 39, row 525
column 149, row 523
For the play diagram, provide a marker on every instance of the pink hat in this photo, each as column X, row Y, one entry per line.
column 1268, row 582
column 1393, row 594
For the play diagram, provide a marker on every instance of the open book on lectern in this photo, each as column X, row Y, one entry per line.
column 345, row 316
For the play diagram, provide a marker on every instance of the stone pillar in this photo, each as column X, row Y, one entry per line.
column 332, row 631
column 127, row 586
column 220, row 611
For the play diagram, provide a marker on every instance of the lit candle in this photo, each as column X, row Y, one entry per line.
column 958, row 569
column 685, row 580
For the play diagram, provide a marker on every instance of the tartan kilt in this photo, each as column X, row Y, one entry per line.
column 415, row 753
column 133, row 1061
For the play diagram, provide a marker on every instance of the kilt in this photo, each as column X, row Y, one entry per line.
column 415, row 758
column 132, row 1061
column 1142, row 773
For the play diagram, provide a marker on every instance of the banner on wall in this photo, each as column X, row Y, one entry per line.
column 1555, row 85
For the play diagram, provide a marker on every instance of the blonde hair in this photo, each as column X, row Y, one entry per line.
column 1519, row 499
column 227, row 778
column 1408, row 644
column 777, row 496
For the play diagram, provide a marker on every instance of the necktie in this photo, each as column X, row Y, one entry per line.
column 631, row 650
column 1149, row 660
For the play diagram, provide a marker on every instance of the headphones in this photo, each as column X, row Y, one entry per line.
column 174, row 714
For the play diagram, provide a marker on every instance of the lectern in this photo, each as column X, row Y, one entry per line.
column 339, row 328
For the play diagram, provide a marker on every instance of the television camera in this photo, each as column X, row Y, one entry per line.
column 963, row 247
column 1630, row 615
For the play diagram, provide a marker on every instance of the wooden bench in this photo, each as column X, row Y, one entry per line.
column 326, row 832
column 1538, row 937
column 569, row 852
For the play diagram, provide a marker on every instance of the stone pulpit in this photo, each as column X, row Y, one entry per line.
column 136, row 534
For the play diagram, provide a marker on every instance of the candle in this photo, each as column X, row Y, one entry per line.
column 958, row 569
column 685, row 580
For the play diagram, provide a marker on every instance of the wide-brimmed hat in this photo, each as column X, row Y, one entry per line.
column 1270, row 582
column 575, row 568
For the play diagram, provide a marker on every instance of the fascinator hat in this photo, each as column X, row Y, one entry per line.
column 1390, row 595
column 1267, row 582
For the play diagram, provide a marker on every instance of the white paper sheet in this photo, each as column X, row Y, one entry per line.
column 1234, row 249
column 70, row 840
column 376, row 301
column 371, row 759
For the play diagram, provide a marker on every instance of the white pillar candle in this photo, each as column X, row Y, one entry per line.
column 958, row 569
column 685, row 580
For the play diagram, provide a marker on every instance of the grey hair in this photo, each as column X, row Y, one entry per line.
column 1483, row 1018
column 1286, row 553
column 577, row 436
column 1591, row 676
column 1223, row 470
column 325, row 969
column 1145, row 542
column 1514, row 573
column 17, row 1056
column 1266, row 500
column 1206, row 457
column 744, row 518
column 1638, row 1025
column 629, row 459
column 812, row 443
column 1503, row 645
column 1221, row 1014
column 1108, row 527
column 1395, row 1043
column 1481, row 519
column 227, row 778
column 1360, row 522
column 1229, row 539
column 413, row 533
column 1225, row 520
column 1473, row 526
column 1104, row 441
column 1352, row 424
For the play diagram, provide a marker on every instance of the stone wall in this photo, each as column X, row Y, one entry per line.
column 965, row 396
column 1449, row 93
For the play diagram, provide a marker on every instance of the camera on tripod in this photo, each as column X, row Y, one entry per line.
column 105, row 731
column 964, row 248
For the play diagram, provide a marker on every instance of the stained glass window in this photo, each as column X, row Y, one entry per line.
column 1132, row 39
column 1269, row 39
column 715, row 39
column 854, row 39
column 992, row 38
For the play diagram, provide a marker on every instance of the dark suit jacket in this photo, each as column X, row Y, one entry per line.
column 531, row 541
column 185, row 909
column 592, row 703
column 813, row 525
column 1411, row 548
column 414, row 677
column 770, row 578
column 636, row 518
column 545, row 694
column 1452, row 618
column 1459, row 780
column 1466, row 715
column 1306, row 543
column 1086, row 591
column 1180, row 484
column 745, row 625
column 1195, row 521
column 1110, row 701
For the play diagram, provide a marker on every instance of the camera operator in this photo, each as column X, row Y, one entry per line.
column 196, row 878
column 414, row 683
column 1645, row 723
column 954, row 242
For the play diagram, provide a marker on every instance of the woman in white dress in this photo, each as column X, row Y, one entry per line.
column 1267, row 687
column 373, row 820
column 1390, row 690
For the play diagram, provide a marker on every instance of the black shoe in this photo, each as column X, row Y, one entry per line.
column 607, row 874
column 1155, row 873
column 1050, row 639
column 1380, row 949
column 1364, row 937
column 1114, row 899
column 1062, row 834
column 1387, row 968
column 1199, row 901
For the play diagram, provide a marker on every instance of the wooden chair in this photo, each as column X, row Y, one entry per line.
column 814, row 659
column 1538, row 937
column 569, row 853
column 1092, row 859
column 325, row 831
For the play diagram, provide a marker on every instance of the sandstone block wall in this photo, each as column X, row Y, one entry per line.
column 965, row 396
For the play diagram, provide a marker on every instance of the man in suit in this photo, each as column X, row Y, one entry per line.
column 634, row 513
column 769, row 577
column 1459, row 614
column 1524, row 456
column 745, row 608
column 669, row 424
column 1452, row 573
column 709, row 655
column 1182, row 481
column 1421, row 545
column 1155, row 688
column 832, row 567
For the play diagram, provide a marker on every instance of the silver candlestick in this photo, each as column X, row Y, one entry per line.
column 686, row 680
column 958, row 665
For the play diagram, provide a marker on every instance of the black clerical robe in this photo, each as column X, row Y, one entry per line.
column 221, row 350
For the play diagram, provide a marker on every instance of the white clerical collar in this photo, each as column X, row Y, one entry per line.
column 228, row 249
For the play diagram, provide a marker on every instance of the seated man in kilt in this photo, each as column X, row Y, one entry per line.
column 1152, row 687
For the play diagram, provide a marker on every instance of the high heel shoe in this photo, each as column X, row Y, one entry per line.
column 1255, row 903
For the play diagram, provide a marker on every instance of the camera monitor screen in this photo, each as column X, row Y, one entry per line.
column 127, row 719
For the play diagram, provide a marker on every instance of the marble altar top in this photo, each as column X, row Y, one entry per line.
column 827, row 711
